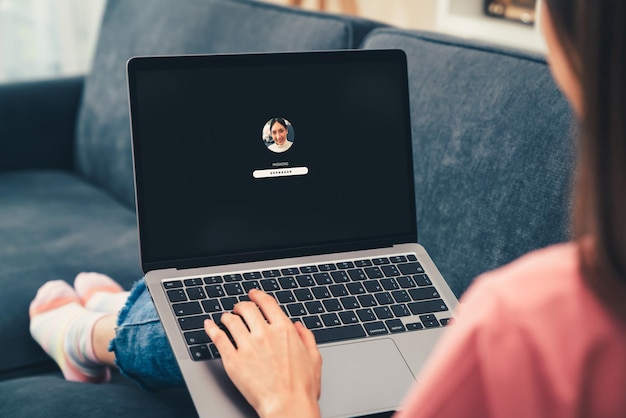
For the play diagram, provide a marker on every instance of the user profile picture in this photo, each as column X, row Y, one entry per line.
column 278, row 135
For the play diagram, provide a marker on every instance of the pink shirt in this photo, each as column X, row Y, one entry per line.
column 529, row 340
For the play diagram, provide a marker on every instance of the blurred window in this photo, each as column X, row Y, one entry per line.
column 42, row 39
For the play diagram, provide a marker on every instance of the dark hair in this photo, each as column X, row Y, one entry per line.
column 593, row 35
column 279, row 120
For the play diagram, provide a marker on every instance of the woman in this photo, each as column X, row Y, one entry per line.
column 543, row 336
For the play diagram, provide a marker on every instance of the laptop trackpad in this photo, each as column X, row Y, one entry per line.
column 363, row 377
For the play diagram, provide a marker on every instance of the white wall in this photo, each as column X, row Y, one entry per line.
column 411, row 14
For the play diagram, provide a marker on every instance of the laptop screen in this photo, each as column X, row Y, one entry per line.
column 257, row 156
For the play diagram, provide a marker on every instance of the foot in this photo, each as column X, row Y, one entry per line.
column 63, row 328
column 100, row 293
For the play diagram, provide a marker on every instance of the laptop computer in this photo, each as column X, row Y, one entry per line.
column 291, row 172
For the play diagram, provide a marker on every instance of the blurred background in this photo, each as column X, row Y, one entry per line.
column 42, row 39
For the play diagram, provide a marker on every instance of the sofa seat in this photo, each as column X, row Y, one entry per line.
column 54, row 225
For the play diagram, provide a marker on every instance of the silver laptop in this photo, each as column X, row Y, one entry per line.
column 293, row 173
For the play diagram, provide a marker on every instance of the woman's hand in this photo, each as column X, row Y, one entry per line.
column 276, row 364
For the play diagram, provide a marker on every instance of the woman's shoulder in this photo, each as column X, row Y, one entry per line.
column 542, row 283
column 541, row 273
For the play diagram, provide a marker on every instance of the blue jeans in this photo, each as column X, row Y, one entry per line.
column 141, row 348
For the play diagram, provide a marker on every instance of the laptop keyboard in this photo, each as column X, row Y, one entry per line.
column 336, row 301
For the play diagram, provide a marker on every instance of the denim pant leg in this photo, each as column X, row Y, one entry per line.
column 141, row 348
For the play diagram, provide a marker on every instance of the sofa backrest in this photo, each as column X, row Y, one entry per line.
column 493, row 151
column 163, row 27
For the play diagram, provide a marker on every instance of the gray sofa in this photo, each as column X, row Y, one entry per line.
column 492, row 146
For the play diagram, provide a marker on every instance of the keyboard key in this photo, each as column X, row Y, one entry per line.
column 211, row 305
column 213, row 280
column 350, row 302
column 303, row 294
column 366, row 315
column 384, row 298
column 327, row 267
column 373, row 286
column 428, row 306
column 233, row 277
column 177, row 295
column 192, row 322
column 389, row 284
column 422, row 280
column 355, row 288
column 444, row 321
column 321, row 292
column 172, row 284
column 332, row 305
column 305, row 280
column 291, row 271
column 348, row 317
column 253, row 275
column 244, row 298
column 213, row 350
column 285, row 296
column 269, row 285
column 288, row 282
column 330, row 319
column 376, row 328
column 217, row 318
column 357, row 275
column 414, row 326
column 296, row 309
column 229, row 303
column 196, row 337
column 338, row 290
column 196, row 293
column 367, row 300
column 252, row 284
column 429, row 321
column 398, row 259
column 423, row 293
column 380, row 261
column 309, row 269
column 411, row 257
column 322, row 278
column 187, row 308
column 200, row 352
column 406, row 282
column 214, row 290
column 383, row 312
column 401, row 296
column 340, row 276
column 193, row 282
column 314, row 307
column 395, row 325
column 411, row 268
column 363, row 263
column 345, row 265
column 326, row 335
column 312, row 322
column 390, row 271
column 400, row 310
column 233, row 289
column 374, row 272
column 271, row 273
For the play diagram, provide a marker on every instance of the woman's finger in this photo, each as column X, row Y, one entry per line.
column 268, row 305
column 236, row 327
column 220, row 339
column 251, row 314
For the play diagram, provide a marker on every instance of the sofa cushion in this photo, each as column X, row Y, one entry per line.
column 54, row 225
column 164, row 27
column 50, row 395
column 492, row 151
